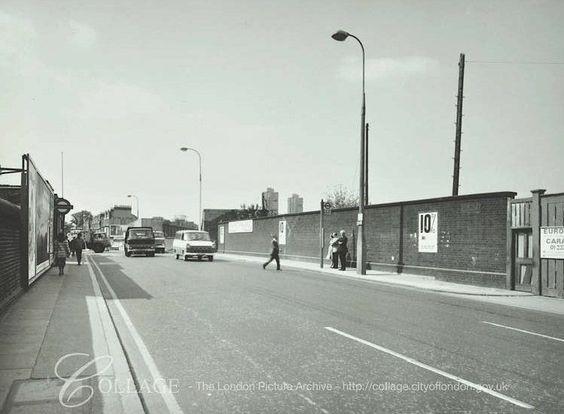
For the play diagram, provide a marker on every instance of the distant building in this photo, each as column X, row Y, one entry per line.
column 295, row 204
column 270, row 201
column 110, row 221
column 155, row 222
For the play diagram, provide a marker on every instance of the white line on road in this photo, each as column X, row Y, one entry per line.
column 524, row 331
column 166, row 393
column 432, row 369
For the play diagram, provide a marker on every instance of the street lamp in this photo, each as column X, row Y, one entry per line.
column 137, row 200
column 184, row 149
column 340, row 36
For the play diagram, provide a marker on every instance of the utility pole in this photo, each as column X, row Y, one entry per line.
column 457, row 142
column 366, row 165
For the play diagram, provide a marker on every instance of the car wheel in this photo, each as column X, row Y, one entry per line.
column 185, row 258
column 210, row 258
column 176, row 257
column 127, row 254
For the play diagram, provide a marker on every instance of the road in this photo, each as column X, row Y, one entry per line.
column 232, row 337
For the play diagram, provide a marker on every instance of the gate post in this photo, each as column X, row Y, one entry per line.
column 536, row 285
column 509, row 272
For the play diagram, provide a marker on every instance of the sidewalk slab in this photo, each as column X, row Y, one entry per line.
column 54, row 332
column 505, row 297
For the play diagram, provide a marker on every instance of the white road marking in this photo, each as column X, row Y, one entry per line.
column 165, row 392
column 432, row 369
column 524, row 331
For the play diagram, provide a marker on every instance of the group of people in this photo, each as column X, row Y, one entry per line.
column 338, row 250
column 63, row 250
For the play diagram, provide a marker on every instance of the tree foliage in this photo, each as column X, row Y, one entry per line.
column 342, row 197
column 80, row 218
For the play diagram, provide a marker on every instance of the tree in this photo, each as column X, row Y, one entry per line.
column 342, row 197
column 79, row 219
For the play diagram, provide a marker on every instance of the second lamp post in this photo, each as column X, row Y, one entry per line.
column 184, row 149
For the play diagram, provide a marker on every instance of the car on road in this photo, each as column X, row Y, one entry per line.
column 160, row 245
column 193, row 243
column 139, row 240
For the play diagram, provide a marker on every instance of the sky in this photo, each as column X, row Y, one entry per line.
column 270, row 100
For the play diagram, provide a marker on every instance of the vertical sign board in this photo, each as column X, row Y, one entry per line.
column 428, row 232
column 40, row 216
column 282, row 232
column 221, row 234
column 552, row 242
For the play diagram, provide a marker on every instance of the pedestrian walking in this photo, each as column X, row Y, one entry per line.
column 62, row 251
column 274, row 254
column 332, row 253
column 342, row 250
column 78, row 245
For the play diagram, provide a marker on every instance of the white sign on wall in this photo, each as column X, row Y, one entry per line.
column 282, row 232
column 552, row 242
column 427, row 232
column 221, row 234
column 243, row 226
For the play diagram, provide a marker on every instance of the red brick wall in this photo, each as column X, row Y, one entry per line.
column 471, row 237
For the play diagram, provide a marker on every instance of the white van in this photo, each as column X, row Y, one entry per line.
column 193, row 243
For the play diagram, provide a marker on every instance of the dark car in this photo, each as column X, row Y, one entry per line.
column 139, row 240
column 160, row 242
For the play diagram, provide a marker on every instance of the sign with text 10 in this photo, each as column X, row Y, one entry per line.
column 427, row 232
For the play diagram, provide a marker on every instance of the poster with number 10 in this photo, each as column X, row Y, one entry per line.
column 427, row 232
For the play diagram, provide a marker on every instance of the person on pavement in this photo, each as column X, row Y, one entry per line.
column 274, row 254
column 62, row 251
column 78, row 245
column 332, row 251
column 342, row 250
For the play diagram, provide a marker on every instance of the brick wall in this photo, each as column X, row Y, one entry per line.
column 471, row 237
column 10, row 253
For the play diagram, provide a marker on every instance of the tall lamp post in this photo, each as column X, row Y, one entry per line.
column 184, row 149
column 137, row 201
column 340, row 36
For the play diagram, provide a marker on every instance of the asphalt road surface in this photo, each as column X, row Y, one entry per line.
column 230, row 337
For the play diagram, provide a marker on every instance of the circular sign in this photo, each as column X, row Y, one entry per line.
column 327, row 206
column 63, row 206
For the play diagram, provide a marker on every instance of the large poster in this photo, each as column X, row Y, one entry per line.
column 427, row 232
column 40, row 223
column 243, row 226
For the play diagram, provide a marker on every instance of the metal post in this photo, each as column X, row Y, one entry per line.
column 366, row 165
column 457, row 142
column 321, row 233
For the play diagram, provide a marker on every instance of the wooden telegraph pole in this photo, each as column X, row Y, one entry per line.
column 457, row 142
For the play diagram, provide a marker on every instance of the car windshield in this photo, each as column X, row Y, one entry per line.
column 199, row 236
column 141, row 233
column 159, row 234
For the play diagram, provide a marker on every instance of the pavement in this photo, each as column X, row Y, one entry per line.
column 228, row 336
column 53, row 340
column 506, row 297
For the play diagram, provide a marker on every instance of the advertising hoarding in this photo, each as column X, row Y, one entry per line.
column 242, row 226
column 40, row 214
column 282, row 232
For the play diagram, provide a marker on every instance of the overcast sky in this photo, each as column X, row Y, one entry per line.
column 269, row 99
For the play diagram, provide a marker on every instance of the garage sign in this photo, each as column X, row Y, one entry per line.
column 552, row 242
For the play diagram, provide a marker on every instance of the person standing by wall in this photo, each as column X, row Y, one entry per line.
column 274, row 254
column 342, row 250
column 78, row 246
column 332, row 251
column 62, row 251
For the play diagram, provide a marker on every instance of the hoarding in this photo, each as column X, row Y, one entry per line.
column 40, row 203
column 427, row 232
column 243, row 226
column 552, row 242
column 221, row 234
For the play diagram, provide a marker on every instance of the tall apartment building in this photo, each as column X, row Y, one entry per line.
column 295, row 204
column 270, row 201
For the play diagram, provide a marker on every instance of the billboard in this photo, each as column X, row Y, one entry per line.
column 40, row 222
column 243, row 226
column 552, row 242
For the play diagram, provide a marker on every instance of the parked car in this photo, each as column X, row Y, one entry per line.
column 193, row 243
column 160, row 245
column 139, row 240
